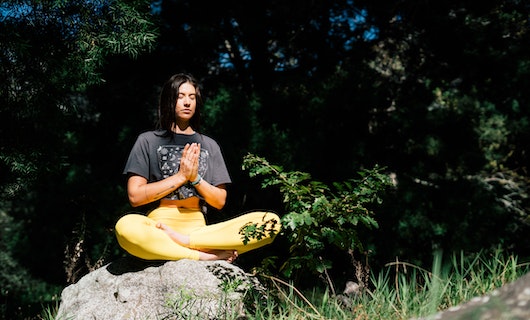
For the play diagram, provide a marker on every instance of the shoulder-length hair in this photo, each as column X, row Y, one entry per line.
column 168, row 100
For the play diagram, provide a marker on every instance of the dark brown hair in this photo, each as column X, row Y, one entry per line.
column 168, row 100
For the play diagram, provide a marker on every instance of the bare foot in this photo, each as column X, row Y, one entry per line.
column 207, row 255
column 181, row 239
column 227, row 255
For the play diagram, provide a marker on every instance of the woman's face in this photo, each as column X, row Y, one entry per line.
column 186, row 102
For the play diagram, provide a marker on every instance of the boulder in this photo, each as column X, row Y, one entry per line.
column 131, row 288
column 511, row 301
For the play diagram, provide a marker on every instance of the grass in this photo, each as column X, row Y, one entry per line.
column 400, row 291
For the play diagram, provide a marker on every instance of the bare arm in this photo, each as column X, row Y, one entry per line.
column 213, row 195
column 141, row 192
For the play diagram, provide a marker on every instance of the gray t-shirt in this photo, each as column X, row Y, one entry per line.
column 156, row 156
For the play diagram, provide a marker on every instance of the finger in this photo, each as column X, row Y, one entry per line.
column 191, row 152
column 188, row 151
column 194, row 150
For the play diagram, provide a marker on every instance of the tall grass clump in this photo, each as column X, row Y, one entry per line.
column 400, row 291
column 405, row 291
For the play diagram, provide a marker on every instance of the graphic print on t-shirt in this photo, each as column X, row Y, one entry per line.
column 169, row 161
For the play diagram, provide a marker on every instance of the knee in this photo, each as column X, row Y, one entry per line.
column 271, row 216
column 127, row 225
column 121, row 225
column 276, row 222
column 271, row 219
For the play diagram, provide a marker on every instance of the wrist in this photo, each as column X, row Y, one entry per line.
column 197, row 180
column 179, row 179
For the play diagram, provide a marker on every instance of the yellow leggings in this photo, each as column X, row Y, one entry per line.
column 139, row 236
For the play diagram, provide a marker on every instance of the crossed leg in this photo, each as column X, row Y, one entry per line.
column 207, row 255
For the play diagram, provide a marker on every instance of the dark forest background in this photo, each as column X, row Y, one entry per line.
column 436, row 92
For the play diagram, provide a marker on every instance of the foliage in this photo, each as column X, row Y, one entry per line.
column 258, row 231
column 400, row 291
column 411, row 291
column 236, row 294
column 433, row 91
column 42, row 79
column 51, row 53
column 452, row 124
column 19, row 286
column 318, row 217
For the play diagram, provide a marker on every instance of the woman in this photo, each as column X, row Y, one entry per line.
column 182, row 168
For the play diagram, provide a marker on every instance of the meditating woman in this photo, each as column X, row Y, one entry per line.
column 184, row 170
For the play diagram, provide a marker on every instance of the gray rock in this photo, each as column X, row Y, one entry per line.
column 509, row 302
column 136, row 289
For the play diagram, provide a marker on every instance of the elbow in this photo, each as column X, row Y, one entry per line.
column 134, row 201
column 217, row 203
column 221, row 201
column 135, row 204
column 220, row 205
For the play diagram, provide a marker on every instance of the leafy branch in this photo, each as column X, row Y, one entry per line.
column 318, row 216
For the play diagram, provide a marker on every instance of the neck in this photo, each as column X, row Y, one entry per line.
column 182, row 128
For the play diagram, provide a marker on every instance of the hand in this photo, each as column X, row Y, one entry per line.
column 189, row 163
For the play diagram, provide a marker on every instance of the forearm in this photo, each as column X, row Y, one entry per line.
column 214, row 196
column 140, row 192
